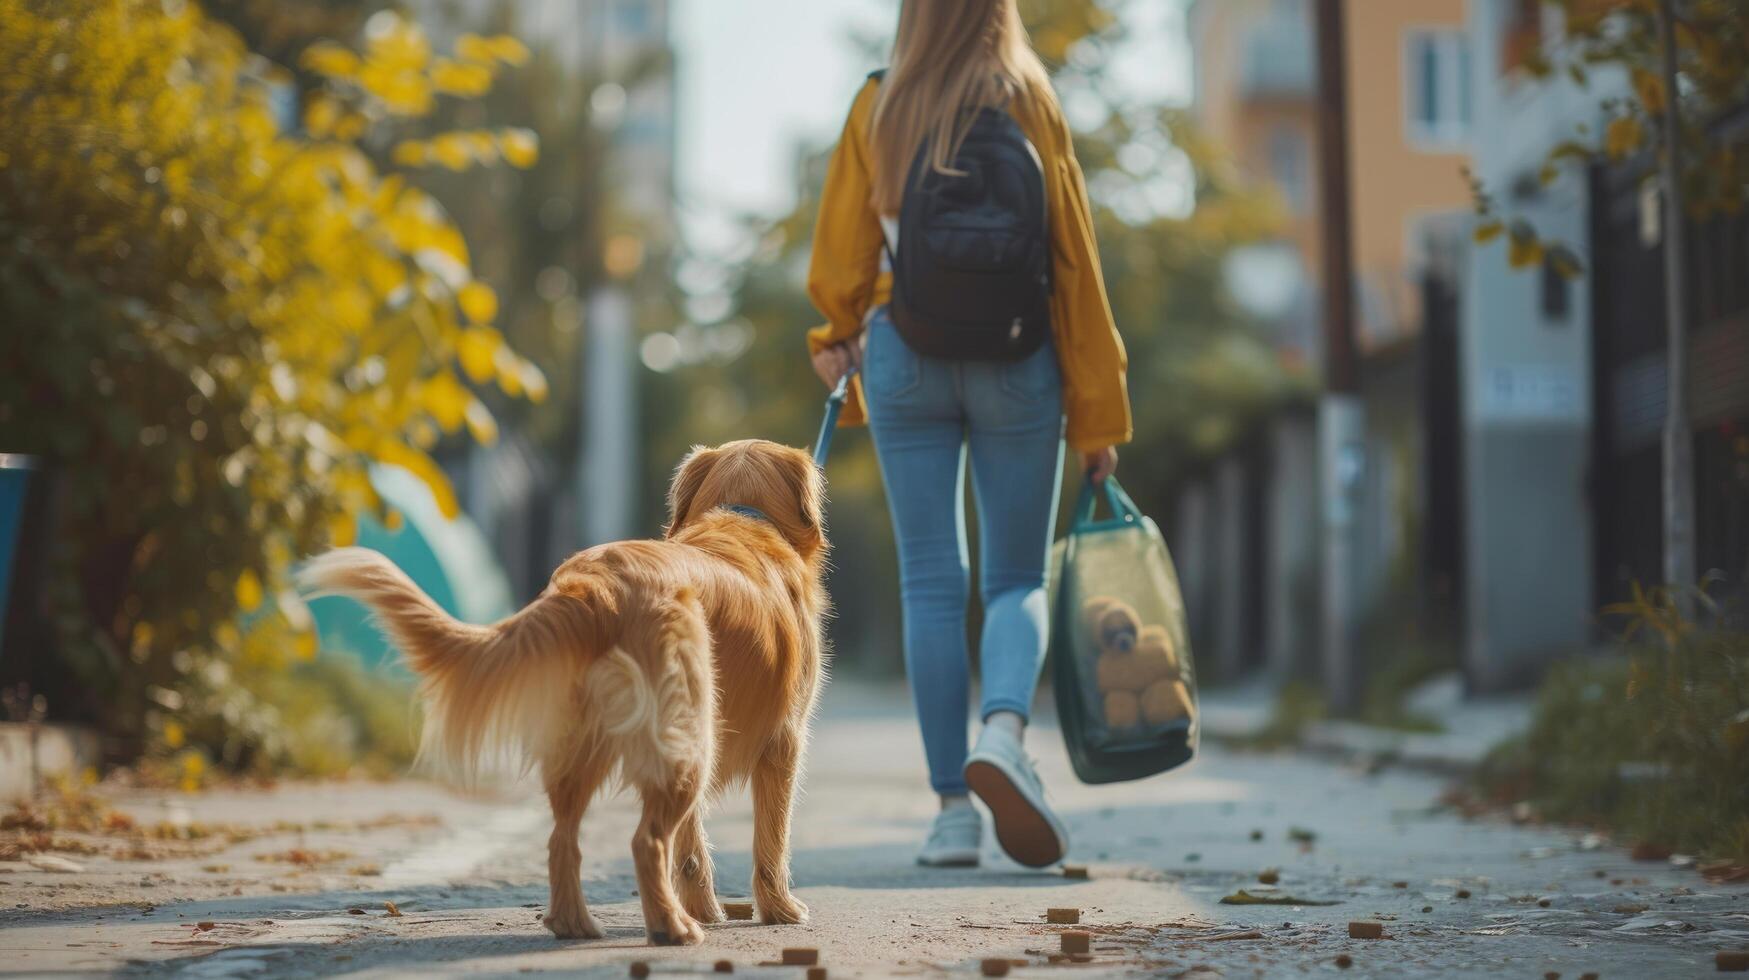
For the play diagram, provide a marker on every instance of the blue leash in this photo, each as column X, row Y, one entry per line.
column 834, row 405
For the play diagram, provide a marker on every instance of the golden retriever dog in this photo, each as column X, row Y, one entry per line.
column 678, row 666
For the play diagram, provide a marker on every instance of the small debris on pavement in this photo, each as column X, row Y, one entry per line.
column 801, row 956
column 994, row 968
column 1543, row 903
column 1344, row 961
column 1268, row 876
column 724, row 966
column 1587, row 976
column 1462, row 893
column 1366, row 930
column 1300, row 835
column 639, row 969
column 1075, row 871
column 1257, row 835
column 1552, row 975
column 816, row 973
column 1077, row 941
column 203, row 926
column 355, row 910
column 1426, row 908
column 1629, row 909
column 392, row 910
column 1732, row 960
column 1222, row 937
column 1399, row 884
column 1648, row 851
column 738, row 911
column 1063, row 917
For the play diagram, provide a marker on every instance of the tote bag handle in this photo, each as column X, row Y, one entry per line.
column 1123, row 510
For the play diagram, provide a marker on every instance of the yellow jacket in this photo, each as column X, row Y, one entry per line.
column 845, row 281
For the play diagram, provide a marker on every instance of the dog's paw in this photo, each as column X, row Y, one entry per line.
column 573, row 924
column 784, row 910
column 679, row 930
column 703, row 907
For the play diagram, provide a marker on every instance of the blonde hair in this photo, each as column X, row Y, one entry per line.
column 950, row 56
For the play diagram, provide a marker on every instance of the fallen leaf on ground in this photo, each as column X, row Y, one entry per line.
column 391, row 910
column 49, row 862
column 1243, row 897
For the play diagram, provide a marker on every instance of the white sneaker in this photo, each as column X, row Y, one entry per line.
column 954, row 839
column 1002, row 776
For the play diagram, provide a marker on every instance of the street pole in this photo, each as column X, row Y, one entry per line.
column 609, row 458
column 1341, row 415
column 1679, row 566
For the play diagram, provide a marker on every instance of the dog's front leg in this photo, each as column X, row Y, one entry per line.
column 694, row 877
column 774, row 783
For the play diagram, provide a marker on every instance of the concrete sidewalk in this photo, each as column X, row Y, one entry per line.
column 468, row 876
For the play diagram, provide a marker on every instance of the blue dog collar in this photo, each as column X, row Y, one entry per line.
column 746, row 511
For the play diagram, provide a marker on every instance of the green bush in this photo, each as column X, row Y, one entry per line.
column 1653, row 745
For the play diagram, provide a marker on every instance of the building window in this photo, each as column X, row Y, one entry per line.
column 1289, row 165
column 1437, row 88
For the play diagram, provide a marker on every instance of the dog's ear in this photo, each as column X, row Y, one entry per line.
column 688, row 480
column 809, row 487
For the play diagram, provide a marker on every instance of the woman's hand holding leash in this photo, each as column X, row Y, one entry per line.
column 834, row 362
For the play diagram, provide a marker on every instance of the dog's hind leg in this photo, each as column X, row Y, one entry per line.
column 693, row 874
column 774, row 783
column 569, row 791
column 666, row 809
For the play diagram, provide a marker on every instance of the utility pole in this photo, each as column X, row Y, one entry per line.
column 1679, row 567
column 1341, row 415
column 610, row 460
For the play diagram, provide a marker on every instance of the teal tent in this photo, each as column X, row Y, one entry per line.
column 449, row 559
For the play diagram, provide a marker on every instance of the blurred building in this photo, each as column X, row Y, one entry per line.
column 1512, row 479
column 1410, row 114
column 1253, row 523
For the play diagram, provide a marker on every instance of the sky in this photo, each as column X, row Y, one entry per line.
column 759, row 78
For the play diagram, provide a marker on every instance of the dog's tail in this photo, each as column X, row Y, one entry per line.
column 493, row 693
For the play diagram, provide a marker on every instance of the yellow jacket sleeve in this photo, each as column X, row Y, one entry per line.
column 1090, row 353
column 844, row 277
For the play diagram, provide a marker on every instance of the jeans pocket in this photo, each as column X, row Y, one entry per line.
column 890, row 368
column 1032, row 378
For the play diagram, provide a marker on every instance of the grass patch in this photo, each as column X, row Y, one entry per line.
column 1652, row 745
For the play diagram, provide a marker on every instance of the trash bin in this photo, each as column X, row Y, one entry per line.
column 15, row 473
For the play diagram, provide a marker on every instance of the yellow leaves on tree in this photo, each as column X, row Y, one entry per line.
column 1623, row 137
column 242, row 320
column 478, row 302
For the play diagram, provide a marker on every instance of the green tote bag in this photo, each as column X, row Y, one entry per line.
column 1125, row 685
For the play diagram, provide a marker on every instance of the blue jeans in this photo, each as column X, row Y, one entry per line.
column 924, row 415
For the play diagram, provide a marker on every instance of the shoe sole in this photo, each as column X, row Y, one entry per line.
column 1024, row 833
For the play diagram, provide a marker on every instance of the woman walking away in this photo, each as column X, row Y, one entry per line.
column 955, row 264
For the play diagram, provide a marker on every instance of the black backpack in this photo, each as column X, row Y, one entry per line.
column 972, row 273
